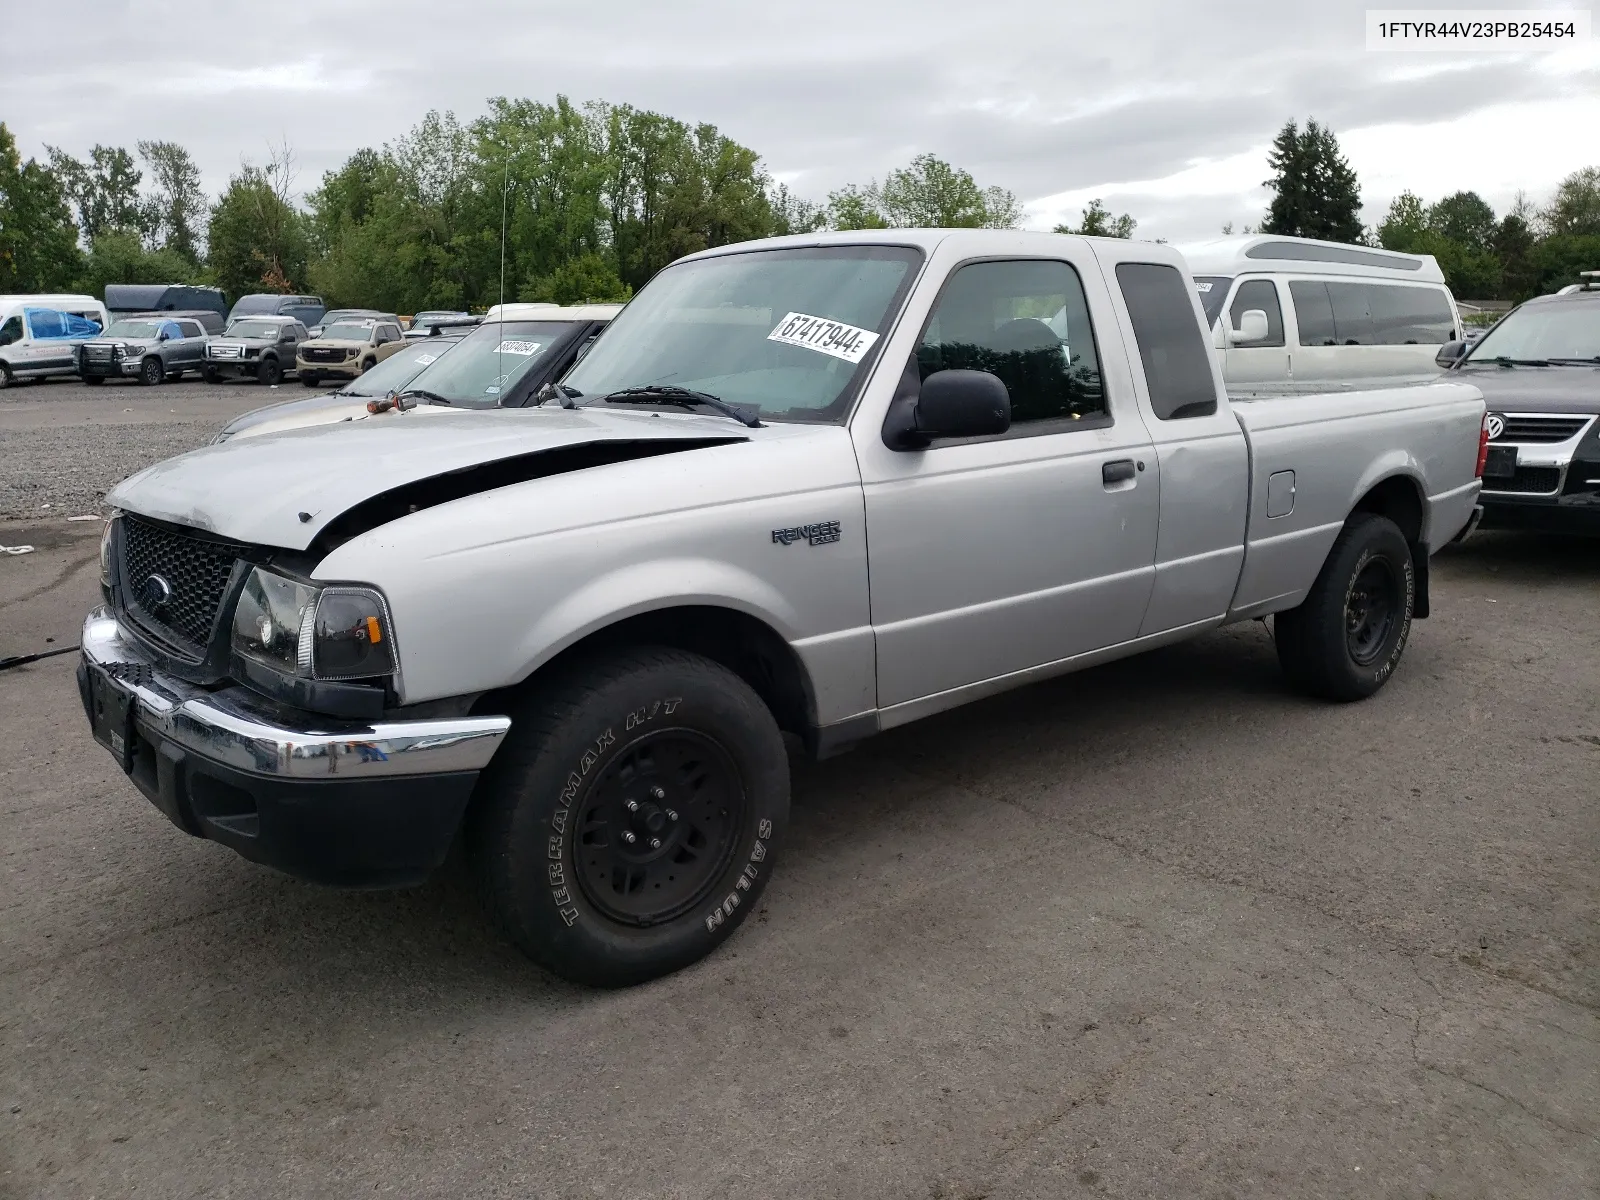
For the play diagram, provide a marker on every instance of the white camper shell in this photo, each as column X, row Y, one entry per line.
column 1299, row 315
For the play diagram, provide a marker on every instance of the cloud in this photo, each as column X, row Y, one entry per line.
column 1164, row 110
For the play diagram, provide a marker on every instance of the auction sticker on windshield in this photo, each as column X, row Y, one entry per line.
column 825, row 336
column 511, row 347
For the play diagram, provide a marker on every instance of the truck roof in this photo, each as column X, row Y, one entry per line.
column 1305, row 256
column 551, row 312
column 978, row 242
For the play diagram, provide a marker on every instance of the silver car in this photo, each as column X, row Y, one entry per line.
column 148, row 349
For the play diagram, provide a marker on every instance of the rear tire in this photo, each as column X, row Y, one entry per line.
column 1345, row 640
column 269, row 373
column 629, row 823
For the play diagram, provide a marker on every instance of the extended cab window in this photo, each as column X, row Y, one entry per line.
column 1027, row 323
column 1261, row 294
column 1177, row 365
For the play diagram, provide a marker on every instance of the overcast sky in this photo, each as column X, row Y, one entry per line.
column 1162, row 107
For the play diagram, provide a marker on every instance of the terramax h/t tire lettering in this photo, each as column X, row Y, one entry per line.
column 631, row 820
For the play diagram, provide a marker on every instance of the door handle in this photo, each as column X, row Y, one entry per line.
column 1119, row 471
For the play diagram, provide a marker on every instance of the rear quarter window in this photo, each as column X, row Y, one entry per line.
column 1177, row 365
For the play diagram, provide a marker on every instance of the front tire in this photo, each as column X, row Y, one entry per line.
column 309, row 378
column 94, row 380
column 211, row 374
column 1346, row 638
column 630, row 822
column 151, row 372
column 269, row 373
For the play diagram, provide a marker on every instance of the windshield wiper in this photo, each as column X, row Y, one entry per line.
column 687, row 397
column 1577, row 362
column 430, row 397
column 561, row 392
column 1502, row 361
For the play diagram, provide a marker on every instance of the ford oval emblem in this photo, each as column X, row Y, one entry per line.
column 155, row 593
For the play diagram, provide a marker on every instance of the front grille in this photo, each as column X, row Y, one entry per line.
column 319, row 354
column 98, row 353
column 1541, row 429
column 226, row 351
column 196, row 571
column 1534, row 481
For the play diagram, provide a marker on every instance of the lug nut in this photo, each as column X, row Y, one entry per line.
column 658, row 793
column 632, row 806
column 672, row 814
column 655, row 843
column 627, row 836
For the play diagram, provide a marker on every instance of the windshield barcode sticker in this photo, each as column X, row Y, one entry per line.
column 827, row 337
column 510, row 347
column 423, row 360
column 1202, row 286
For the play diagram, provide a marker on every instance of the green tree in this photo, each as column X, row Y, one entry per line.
column 929, row 193
column 119, row 256
column 38, row 240
column 1404, row 227
column 1464, row 218
column 1560, row 258
column 1315, row 192
column 791, row 214
column 176, row 205
column 1098, row 222
column 588, row 279
column 853, row 207
column 104, row 190
column 257, row 240
column 1574, row 211
column 1513, row 244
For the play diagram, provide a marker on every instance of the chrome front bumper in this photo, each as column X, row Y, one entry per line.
column 234, row 728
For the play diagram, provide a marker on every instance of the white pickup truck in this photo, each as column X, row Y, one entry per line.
column 816, row 486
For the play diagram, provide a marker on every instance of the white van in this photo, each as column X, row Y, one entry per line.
column 1293, row 314
column 40, row 334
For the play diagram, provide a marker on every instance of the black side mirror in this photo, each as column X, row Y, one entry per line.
column 948, row 404
column 1450, row 353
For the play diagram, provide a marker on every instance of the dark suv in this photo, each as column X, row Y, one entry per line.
column 1539, row 371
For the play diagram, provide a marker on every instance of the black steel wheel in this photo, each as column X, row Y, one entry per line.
column 1370, row 610
column 631, row 820
column 656, row 829
column 1345, row 640
column 269, row 372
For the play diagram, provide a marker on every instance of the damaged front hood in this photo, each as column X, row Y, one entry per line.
column 284, row 489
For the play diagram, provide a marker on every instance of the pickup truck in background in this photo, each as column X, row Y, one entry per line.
column 817, row 486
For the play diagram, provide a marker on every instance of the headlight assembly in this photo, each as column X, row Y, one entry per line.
column 105, row 547
column 313, row 632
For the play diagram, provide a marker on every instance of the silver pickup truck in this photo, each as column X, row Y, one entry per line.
column 802, row 490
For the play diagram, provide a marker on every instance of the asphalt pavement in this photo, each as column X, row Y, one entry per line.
column 1159, row 929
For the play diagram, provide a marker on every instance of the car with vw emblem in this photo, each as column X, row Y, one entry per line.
column 582, row 634
column 1539, row 371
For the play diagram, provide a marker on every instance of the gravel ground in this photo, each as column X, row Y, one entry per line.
column 65, row 444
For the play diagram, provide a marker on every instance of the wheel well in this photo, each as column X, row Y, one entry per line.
column 748, row 647
column 1400, row 499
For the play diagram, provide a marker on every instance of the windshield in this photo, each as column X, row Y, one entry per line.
column 1213, row 290
column 134, row 329
column 253, row 329
column 488, row 362
column 779, row 332
column 350, row 331
column 1542, row 332
column 394, row 372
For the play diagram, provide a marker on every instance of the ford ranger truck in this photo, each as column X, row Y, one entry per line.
column 803, row 490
